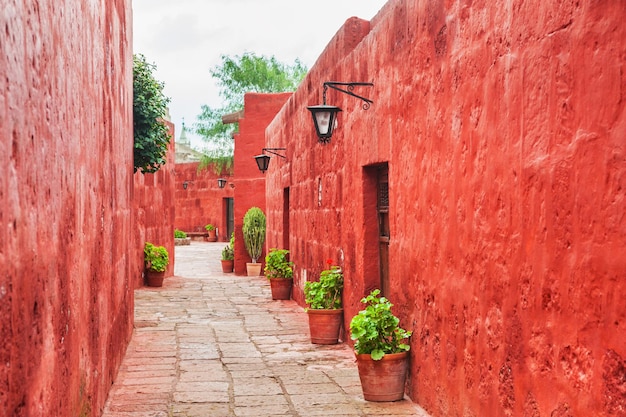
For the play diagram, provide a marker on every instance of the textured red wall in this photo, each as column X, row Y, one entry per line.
column 154, row 205
column 503, row 127
column 202, row 202
column 259, row 110
column 67, row 224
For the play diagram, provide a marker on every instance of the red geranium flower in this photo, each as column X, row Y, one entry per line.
column 329, row 262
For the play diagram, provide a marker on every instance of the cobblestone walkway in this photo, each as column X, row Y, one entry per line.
column 213, row 344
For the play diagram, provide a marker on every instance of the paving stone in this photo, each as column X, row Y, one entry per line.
column 213, row 344
column 201, row 410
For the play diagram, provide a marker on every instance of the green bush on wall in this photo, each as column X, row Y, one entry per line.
column 151, row 135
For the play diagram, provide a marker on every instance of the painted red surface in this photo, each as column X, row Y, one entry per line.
column 66, row 211
column 259, row 110
column 154, row 206
column 503, row 126
column 202, row 202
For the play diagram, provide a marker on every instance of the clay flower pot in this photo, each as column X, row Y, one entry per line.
column 253, row 269
column 154, row 278
column 281, row 288
column 324, row 325
column 383, row 380
column 228, row 265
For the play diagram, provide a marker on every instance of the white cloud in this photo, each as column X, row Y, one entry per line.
column 186, row 38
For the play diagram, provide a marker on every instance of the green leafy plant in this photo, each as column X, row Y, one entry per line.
column 232, row 240
column 376, row 330
column 155, row 257
column 325, row 293
column 151, row 135
column 228, row 254
column 209, row 227
column 277, row 265
column 179, row 234
column 236, row 76
column 254, row 232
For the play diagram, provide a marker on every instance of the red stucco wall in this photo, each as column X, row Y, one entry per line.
column 67, row 224
column 503, row 128
column 259, row 110
column 202, row 202
column 154, row 205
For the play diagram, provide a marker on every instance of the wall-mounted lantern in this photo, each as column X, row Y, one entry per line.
column 325, row 116
column 185, row 185
column 263, row 160
column 221, row 182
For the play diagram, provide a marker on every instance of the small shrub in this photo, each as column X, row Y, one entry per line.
column 155, row 257
column 228, row 254
column 277, row 265
column 375, row 329
column 326, row 293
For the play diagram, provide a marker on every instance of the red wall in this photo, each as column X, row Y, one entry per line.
column 66, row 214
column 154, row 205
column 202, row 202
column 503, row 128
column 259, row 110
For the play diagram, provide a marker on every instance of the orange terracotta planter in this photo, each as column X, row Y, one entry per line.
column 154, row 278
column 324, row 325
column 383, row 380
column 281, row 288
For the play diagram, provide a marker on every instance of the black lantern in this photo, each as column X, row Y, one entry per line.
column 221, row 182
column 325, row 120
column 263, row 161
column 185, row 185
column 325, row 116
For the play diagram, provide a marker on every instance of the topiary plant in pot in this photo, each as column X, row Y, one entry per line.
column 254, row 238
column 325, row 307
column 381, row 349
column 156, row 260
column 279, row 271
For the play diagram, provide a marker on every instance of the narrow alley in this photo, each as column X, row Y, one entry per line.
column 214, row 344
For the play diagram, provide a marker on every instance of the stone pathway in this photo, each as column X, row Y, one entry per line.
column 213, row 344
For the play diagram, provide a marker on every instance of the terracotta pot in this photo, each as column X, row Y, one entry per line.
column 228, row 266
column 253, row 269
column 324, row 326
column 212, row 236
column 383, row 380
column 281, row 288
column 154, row 278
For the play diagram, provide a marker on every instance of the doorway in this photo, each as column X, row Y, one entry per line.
column 229, row 209
column 376, row 230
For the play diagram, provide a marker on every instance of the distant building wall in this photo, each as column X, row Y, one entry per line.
column 67, row 235
column 200, row 201
column 259, row 110
column 501, row 126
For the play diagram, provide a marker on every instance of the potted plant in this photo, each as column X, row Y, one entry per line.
column 253, row 238
column 180, row 238
column 381, row 351
column 279, row 271
column 228, row 255
column 212, row 233
column 156, row 260
column 325, row 308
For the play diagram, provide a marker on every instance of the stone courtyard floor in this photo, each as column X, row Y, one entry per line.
column 214, row 344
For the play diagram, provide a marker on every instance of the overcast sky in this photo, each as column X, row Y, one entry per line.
column 186, row 38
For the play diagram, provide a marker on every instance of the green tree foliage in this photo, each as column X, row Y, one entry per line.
column 237, row 76
column 149, row 107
